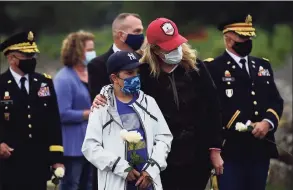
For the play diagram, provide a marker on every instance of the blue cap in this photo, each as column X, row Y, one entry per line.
column 122, row 60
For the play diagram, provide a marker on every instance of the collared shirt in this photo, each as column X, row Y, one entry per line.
column 17, row 78
column 115, row 48
column 237, row 60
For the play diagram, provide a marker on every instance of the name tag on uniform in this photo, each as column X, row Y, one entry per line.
column 6, row 102
column 228, row 79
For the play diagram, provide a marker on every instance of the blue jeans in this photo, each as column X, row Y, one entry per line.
column 244, row 175
column 78, row 174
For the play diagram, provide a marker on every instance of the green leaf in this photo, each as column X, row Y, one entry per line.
column 128, row 169
column 249, row 128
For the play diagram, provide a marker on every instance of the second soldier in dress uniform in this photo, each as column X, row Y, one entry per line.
column 30, row 134
column 247, row 91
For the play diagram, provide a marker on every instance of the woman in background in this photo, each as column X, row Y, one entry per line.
column 71, row 84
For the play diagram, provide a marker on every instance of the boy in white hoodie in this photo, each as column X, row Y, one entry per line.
column 131, row 110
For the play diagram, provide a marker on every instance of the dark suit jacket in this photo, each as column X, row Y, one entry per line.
column 97, row 73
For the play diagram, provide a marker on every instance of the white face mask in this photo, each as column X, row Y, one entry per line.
column 174, row 57
column 89, row 55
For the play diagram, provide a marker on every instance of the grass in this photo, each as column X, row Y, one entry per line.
column 275, row 46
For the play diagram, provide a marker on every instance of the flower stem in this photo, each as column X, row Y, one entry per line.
column 279, row 147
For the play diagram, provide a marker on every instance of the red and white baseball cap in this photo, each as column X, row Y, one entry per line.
column 164, row 33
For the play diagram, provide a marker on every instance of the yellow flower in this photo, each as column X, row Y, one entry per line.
column 131, row 136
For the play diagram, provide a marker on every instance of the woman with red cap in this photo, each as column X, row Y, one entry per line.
column 184, row 91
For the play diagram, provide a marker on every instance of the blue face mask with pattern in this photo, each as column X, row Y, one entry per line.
column 131, row 85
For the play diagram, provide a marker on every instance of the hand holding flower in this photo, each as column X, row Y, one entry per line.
column 261, row 129
column 133, row 175
column 144, row 181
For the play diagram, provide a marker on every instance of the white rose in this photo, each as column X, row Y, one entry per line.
column 131, row 136
column 240, row 127
column 123, row 134
column 59, row 172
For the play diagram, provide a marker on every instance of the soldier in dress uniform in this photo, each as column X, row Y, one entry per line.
column 30, row 133
column 247, row 92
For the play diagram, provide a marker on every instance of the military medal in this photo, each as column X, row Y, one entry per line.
column 227, row 74
column 6, row 95
column 6, row 116
column 260, row 71
column 227, row 77
column 44, row 91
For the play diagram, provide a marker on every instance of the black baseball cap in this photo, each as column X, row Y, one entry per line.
column 122, row 60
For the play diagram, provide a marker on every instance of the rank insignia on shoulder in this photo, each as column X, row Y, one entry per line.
column 208, row 60
column 47, row 76
column 266, row 59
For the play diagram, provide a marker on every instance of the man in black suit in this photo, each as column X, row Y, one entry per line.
column 128, row 35
column 248, row 93
column 30, row 130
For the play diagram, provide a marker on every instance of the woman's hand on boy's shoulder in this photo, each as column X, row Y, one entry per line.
column 100, row 100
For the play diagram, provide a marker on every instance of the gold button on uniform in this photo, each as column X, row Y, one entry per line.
column 256, row 113
column 268, row 82
column 6, row 107
column 28, row 107
column 29, row 116
column 254, row 102
column 253, row 93
column 228, row 83
column 30, row 135
column 45, row 104
column 30, row 126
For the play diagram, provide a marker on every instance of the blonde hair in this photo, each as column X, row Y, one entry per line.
column 72, row 50
column 188, row 60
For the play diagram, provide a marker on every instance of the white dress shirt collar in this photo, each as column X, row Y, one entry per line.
column 237, row 58
column 17, row 78
column 115, row 48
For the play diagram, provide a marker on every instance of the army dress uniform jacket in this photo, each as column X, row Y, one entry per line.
column 246, row 97
column 31, row 126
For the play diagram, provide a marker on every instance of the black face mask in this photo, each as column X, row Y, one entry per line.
column 243, row 48
column 27, row 66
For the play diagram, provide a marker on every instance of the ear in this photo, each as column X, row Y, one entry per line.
column 122, row 36
column 113, row 78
